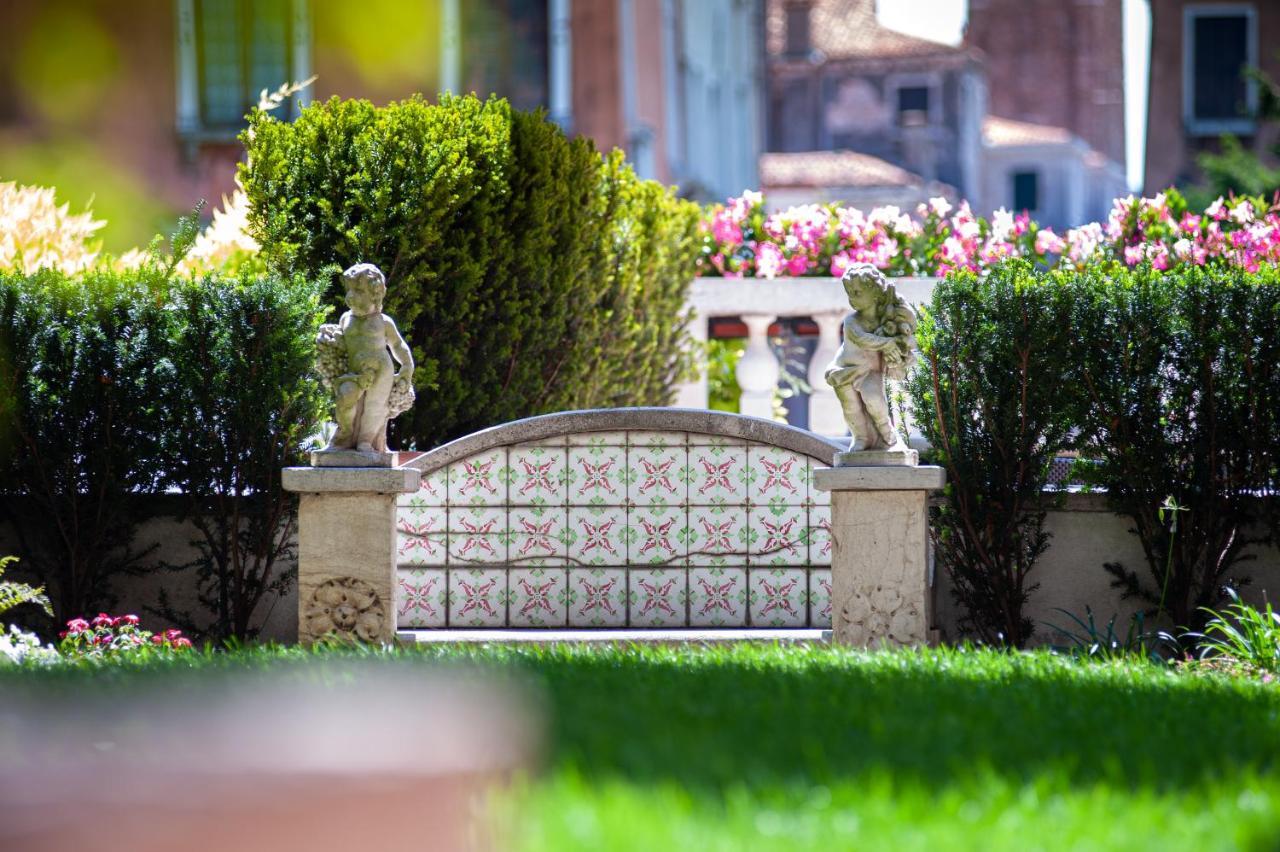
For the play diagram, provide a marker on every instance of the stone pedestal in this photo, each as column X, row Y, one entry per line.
column 347, row 549
column 881, row 591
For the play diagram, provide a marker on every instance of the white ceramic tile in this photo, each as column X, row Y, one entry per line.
column 820, row 598
column 597, row 597
column 538, row 535
column 597, row 475
column 432, row 490
column 538, row 476
column 597, row 535
column 778, row 536
column 421, row 597
column 477, row 535
column 778, row 597
column 717, row 475
column 420, row 537
column 657, row 476
column 657, row 598
column 598, row 439
column 656, row 440
column 718, row 535
column 657, row 535
column 479, row 480
column 820, row 535
column 699, row 439
column 718, row 597
column 775, row 476
column 538, row 597
column 477, row 597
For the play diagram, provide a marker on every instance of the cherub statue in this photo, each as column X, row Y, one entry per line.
column 879, row 342
column 354, row 360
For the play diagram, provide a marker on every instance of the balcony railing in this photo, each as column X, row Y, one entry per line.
column 759, row 303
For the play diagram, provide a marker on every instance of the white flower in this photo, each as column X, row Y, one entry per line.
column 17, row 647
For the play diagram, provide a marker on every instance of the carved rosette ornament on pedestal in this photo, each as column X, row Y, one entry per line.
column 878, row 343
column 354, row 357
column 345, row 607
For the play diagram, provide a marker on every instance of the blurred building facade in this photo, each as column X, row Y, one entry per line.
column 966, row 117
column 1197, row 90
column 155, row 90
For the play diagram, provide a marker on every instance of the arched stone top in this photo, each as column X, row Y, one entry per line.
column 700, row 421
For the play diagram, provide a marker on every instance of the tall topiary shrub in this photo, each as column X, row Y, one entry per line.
column 528, row 273
column 1184, row 392
column 996, row 395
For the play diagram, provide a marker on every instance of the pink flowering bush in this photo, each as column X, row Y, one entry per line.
column 108, row 637
column 741, row 240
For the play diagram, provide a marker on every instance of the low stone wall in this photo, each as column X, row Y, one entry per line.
column 1070, row 574
column 174, row 545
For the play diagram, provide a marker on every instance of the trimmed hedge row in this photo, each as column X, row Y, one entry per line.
column 119, row 384
column 529, row 273
column 1168, row 382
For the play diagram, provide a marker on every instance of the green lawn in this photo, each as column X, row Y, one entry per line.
column 754, row 747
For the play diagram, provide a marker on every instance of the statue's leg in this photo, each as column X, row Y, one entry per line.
column 371, row 435
column 855, row 414
column 345, row 404
column 877, row 406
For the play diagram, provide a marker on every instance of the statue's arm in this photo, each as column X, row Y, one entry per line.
column 399, row 349
column 865, row 339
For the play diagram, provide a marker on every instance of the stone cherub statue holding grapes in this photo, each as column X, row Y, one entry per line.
column 878, row 343
column 354, row 358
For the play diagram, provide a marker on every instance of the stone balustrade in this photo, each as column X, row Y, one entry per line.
column 760, row 303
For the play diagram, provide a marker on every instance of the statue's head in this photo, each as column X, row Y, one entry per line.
column 865, row 286
column 366, row 288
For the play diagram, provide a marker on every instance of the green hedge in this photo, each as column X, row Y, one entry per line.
column 529, row 273
column 1168, row 383
column 996, row 394
column 120, row 385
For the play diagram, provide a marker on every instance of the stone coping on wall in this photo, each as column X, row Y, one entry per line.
column 697, row 420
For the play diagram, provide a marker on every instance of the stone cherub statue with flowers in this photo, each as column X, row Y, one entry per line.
column 878, row 343
column 354, row 358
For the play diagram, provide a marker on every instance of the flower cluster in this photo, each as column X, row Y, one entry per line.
column 38, row 233
column 741, row 239
column 118, row 636
column 18, row 648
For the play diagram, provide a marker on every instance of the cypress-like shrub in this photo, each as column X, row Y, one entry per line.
column 1183, row 375
column 996, row 394
column 120, row 385
column 528, row 273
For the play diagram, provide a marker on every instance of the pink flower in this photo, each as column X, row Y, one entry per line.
column 182, row 642
column 768, row 260
column 1216, row 210
column 1134, row 254
column 129, row 619
column 797, row 265
column 1047, row 242
column 103, row 620
column 76, row 626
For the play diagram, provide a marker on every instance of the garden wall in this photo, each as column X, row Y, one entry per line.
column 1071, row 577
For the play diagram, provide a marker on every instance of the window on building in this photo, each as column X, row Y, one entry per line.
column 229, row 51
column 1026, row 191
column 1220, row 43
column 913, row 106
column 797, row 24
column 505, row 49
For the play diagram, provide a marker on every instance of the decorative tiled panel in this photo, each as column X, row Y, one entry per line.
column 613, row 529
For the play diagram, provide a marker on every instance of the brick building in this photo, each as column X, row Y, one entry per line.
column 138, row 104
column 1058, row 63
column 1197, row 89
